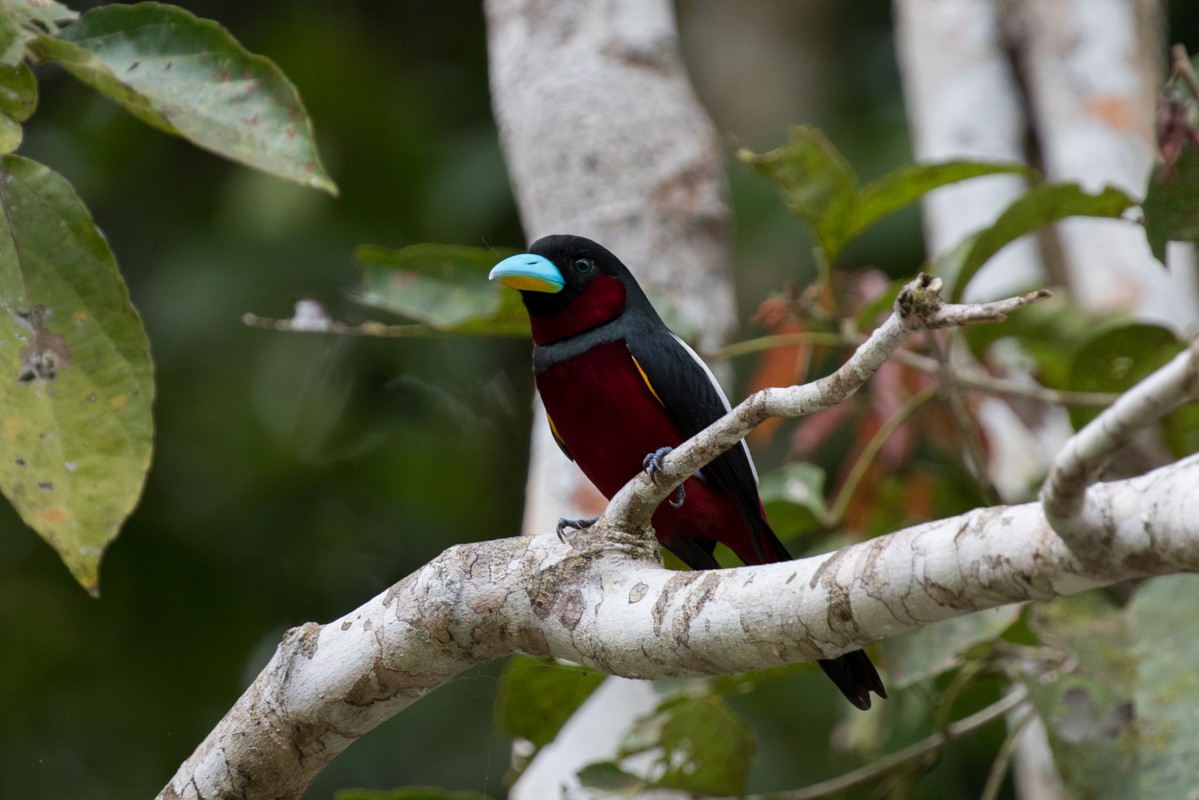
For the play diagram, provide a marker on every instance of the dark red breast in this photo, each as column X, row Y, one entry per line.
column 603, row 410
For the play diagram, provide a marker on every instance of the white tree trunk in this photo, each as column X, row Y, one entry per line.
column 604, row 138
column 1070, row 85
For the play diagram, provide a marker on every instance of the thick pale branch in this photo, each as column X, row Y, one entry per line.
column 918, row 307
column 1070, row 506
column 615, row 608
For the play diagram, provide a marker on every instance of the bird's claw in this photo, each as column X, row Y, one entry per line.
column 652, row 464
column 574, row 524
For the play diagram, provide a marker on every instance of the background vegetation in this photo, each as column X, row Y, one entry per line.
column 296, row 476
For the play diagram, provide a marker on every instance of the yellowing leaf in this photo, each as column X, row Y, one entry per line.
column 76, row 381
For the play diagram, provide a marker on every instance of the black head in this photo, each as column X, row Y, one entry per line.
column 569, row 284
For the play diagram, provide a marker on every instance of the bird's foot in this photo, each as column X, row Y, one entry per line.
column 678, row 498
column 652, row 464
column 574, row 524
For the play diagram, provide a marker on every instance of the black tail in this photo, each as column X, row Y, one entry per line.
column 853, row 673
column 855, row 676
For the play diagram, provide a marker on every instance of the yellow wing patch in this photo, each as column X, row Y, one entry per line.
column 645, row 378
column 554, row 431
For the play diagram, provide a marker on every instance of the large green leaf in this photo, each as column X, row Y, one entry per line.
column 1036, row 208
column 816, row 182
column 902, row 187
column 699, row 743
column 190, row 77
column 819, row 185
column 1117, row 359
column 537, row 697
column 1084, row 693
column 76, row 381
column 1162, row 619
column 443, row 286
column 941, row 646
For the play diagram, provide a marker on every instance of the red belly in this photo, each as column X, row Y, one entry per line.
column 610, row 420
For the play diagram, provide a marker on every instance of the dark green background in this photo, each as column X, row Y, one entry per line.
column 296, row 476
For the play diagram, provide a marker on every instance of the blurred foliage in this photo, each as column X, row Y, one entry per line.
column 294, row 476
column 444, row 286
column 78, row 415
column 693, row 741
column 410, row 793
column 1173, row 197
column 537, row 697
column 819, row 184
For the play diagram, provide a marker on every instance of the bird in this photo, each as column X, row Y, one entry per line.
column 620, row 390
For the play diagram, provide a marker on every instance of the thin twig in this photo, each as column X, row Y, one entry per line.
column 999, row 766
column 1181, row 64
column 328, row 326
column 779, row 340
column 976, row 379
column 971, row 436
column 866, row 457
column 967, row 377
column 930, row 744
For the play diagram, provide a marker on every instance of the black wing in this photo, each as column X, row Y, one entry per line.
column 689, row 392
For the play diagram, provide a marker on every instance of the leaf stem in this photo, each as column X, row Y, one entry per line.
column 930, row 744
column 864, row 460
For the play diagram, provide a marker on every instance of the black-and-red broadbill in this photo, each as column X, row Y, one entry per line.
column 618, row 385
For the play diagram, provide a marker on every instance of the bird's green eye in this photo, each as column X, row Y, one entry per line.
column 582, row 265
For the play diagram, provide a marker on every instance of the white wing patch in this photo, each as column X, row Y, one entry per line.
column 719, row 391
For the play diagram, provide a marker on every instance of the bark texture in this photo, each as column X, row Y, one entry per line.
column 603, row 600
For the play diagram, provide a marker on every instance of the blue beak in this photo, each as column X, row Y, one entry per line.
column 528, row 273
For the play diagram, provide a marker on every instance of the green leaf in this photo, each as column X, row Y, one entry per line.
column 1172, row 202
column 18, row 99
column 1036, row 208
column 47, row 13
column 933, row 649
column 1162, row 618
column 407, row 793
column 538, row 696
column 12, row 38
column 1118, row 359
column 904, row 186
column 444, row 286
column 701, row 745
column 609, row 776
column 11, row 134
column 76, row 381
column 816, row 182
column 18, row 92
column 794, row 499
column 190, row 77
column 1049, row 331
column 1085, row 694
